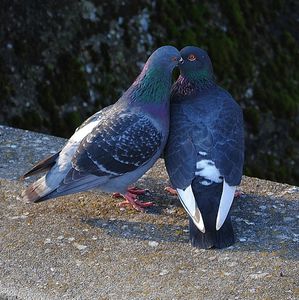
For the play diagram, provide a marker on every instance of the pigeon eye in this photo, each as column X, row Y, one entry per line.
column 191, row 57
column 174, row 58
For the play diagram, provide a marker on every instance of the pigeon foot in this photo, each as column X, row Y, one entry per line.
column 238, row 194
column 136, row 191
column 132, row 199
column 171, row 191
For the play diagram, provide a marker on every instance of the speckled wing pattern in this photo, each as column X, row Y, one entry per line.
column 197, row 136
column 118, row 145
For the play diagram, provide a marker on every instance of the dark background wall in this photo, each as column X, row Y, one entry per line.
column 60, row 61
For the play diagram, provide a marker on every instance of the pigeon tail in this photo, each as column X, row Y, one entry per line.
column 42, row 166
column 207, row 199
column 36, row 191
column 86, row 182
column 222, row 238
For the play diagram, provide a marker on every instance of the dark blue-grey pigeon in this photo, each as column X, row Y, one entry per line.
column 204, row 154
column 117, row 145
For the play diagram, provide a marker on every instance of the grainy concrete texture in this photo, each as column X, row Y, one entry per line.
column 83, row 246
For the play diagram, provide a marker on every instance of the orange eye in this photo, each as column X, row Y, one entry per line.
column 191, row 57
column 174, row 58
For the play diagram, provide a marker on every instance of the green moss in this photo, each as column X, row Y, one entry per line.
column 252, row 117
column 182, row 30
column 276, row 89
column 223, row 52
column 6, row 88
column 289, row 41
column 63, row 82
column 233, row 12
column 32, row 121
column 46, row 98
column 73, row 119
column 171, row 26
column 67, row 80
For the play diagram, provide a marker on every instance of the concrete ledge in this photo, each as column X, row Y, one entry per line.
column 84, row 247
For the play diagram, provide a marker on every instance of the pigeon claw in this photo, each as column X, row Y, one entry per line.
column 171, row 191
column 136, row 191
column 117, row 195
column 238, row 194
column 131, row 199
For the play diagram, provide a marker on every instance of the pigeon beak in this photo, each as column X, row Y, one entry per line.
column 181, row 61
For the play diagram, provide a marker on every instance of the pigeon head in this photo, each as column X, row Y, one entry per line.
column 196, row 64
column 165, row 58
column 154, row 82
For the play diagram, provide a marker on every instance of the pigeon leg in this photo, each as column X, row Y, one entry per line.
column 171, row 191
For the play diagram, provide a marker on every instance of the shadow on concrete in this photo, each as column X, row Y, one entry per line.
column 141, row 230
column 260, row 226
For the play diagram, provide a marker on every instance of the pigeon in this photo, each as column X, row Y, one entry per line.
column 117, row 145
column 204, row 154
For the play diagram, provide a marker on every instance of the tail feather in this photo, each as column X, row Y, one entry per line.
column 42, row 166
column 36, row 190
column 85, row 183
column 208, row 198
column 45, row 188
column 222, row 238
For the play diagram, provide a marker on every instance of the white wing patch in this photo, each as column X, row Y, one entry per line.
column 65, row 157
column 80, row 134
column 187, row 199
column 207, row 169
column 227, row 197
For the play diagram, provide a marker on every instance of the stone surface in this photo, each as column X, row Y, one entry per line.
column 85, row 247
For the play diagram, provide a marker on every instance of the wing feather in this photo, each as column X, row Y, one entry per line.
column 118, row 146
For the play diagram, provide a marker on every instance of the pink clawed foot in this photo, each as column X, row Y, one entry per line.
column 132, row 199
column 136, row 191
column 238, row 194
column 171, row 191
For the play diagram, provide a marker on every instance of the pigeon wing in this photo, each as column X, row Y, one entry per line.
column 228, row 149
column 191, row 137
column 228, row 153
column 95, row 117
column 117, row 146
column 180, row 152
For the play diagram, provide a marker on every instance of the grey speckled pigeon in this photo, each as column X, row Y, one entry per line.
column 117, row 145
column 205, row 150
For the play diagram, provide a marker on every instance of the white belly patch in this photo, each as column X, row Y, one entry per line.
column 206, row 168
